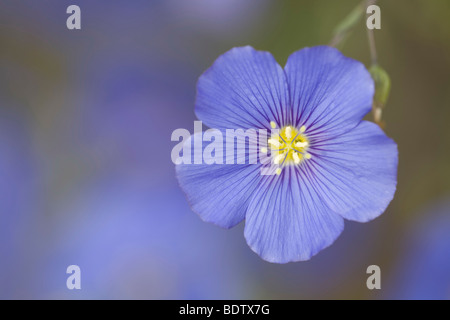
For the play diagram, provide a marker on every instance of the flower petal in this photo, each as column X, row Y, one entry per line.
column 287, row 220
column 244, row 88
column 219, row 193
column 329, row 92
column 358, row 171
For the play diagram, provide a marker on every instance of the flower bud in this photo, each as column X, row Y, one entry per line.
column 382, row 86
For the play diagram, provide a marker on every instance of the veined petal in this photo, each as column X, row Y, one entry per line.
column 244, row 88
column 357, row 171
column 219, row 193
column 329, row 92
column 287, row 219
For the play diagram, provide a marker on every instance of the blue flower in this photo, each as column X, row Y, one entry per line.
column 334, row 166
column 423, row 267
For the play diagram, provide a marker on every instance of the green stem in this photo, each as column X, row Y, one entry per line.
column 371, row 38
column 346, row 26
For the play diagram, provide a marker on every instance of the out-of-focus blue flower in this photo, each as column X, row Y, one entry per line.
column 17, row 196
column 133, row 244
column 332, row 164
column 122, row 218
column 125, row 105
column 217, row 15
column 423, row 271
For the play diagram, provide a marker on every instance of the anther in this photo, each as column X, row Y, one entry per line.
column 278, row 171
column 278, row 158
column 288, row 133
column 301, row 144
column 302, row 129
column 274, row 142
column 273, row 125
column 308, row 156
column 296, row 157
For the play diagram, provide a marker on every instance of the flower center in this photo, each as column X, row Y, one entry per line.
column 288, row 146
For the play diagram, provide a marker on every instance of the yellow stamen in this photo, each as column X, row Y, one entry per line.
column 296, row 158
column 288, row 133
column 301, row 144
column 274, row 142
column 278, row 158
column 288, row 146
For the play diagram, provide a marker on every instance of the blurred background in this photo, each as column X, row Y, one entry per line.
column 85, row 171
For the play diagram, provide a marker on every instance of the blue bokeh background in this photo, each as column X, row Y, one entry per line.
column 86, row 176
